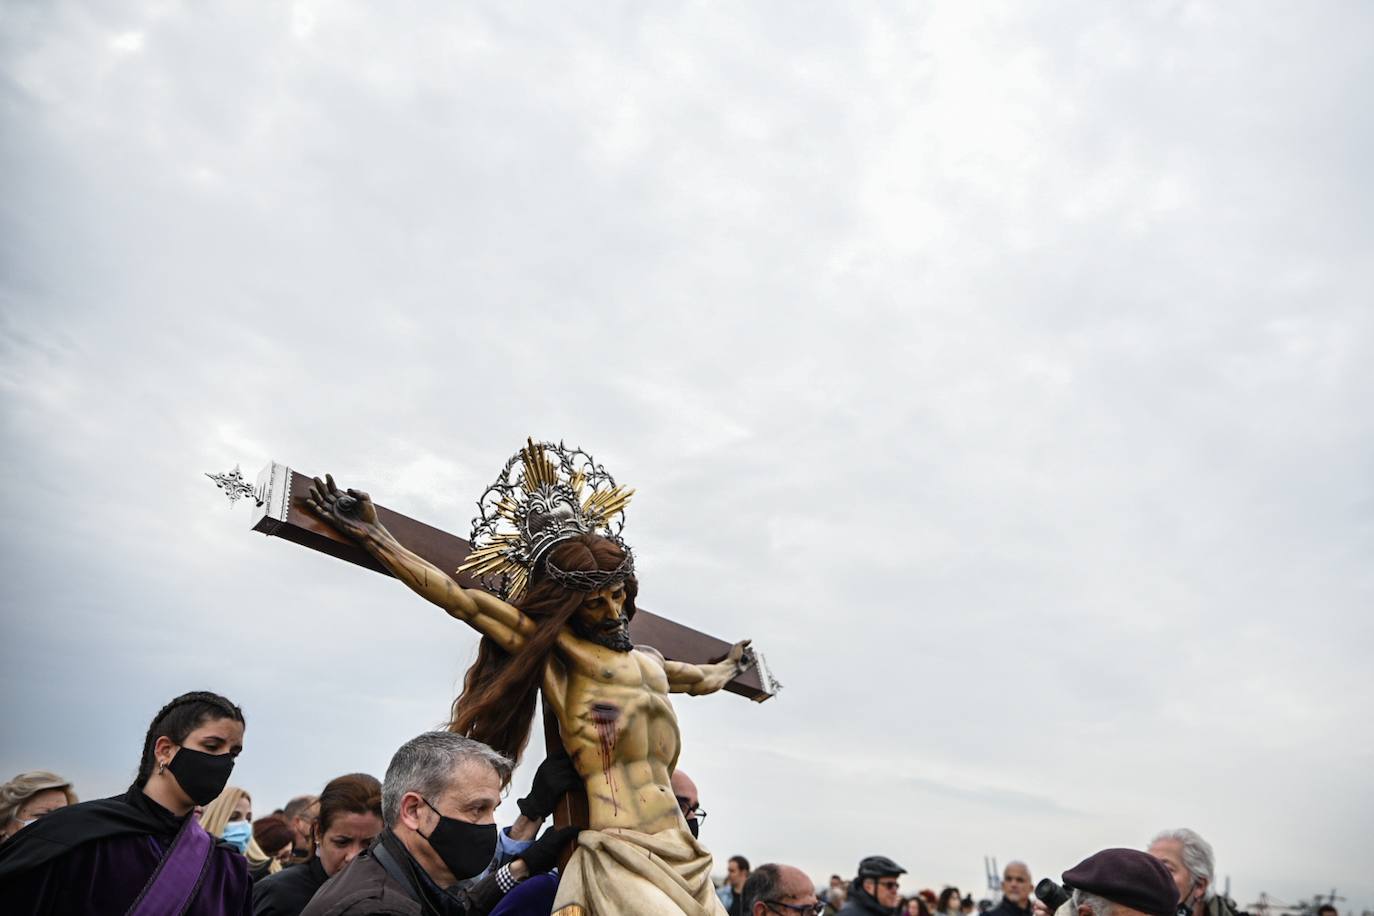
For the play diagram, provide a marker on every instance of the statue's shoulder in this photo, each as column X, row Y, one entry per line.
column 653, row 670
column 653, row 654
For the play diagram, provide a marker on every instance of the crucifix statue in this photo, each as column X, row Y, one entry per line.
column 552, row 591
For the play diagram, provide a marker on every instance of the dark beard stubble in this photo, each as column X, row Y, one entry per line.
column 617, row 638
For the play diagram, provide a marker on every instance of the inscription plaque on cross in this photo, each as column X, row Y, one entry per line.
column 606, row 678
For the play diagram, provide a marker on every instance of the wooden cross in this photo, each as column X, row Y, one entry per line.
column 281, row 512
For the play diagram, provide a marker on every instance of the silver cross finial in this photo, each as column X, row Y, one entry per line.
column 234, row 486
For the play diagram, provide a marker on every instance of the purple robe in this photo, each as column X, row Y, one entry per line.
column 104, row 875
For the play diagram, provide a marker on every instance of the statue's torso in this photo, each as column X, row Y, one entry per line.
column 620, row 730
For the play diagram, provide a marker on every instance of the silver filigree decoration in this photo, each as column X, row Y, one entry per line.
column 546, row 493
column 770, row 683
column 235, row 486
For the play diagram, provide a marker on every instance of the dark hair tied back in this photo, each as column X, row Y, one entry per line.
column 179, row 718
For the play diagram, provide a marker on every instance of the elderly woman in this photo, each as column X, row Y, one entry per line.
column 29, row 796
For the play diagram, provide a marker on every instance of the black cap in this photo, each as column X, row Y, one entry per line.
column 879, row 867
column 1127, row 877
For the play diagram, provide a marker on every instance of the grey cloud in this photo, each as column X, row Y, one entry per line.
column 1003, row 372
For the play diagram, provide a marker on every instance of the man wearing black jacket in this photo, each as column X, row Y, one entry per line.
column 438, row 854
column 1016, row 891
column 876, row 888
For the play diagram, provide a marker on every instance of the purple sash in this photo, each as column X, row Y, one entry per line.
column 177, row 877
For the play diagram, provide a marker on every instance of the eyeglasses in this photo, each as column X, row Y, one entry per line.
column 890, row 883
column 801, row 909
column 689, row 810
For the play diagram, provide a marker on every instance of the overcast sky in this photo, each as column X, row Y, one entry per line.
column 1004, row 370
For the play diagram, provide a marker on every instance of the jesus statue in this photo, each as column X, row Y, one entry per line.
column 559, row 592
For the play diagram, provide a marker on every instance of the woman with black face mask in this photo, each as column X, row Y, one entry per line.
column 141, row 853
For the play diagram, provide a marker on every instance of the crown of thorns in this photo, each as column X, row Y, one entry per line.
column 545, row 494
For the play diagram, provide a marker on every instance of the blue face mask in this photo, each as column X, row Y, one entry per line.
column 237, row 834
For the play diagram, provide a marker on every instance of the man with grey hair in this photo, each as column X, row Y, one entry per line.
column 779, row 890
column 1189, row 859
column 439, row 850
column 1016, row 891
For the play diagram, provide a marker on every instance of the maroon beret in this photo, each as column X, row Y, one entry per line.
column 1127, row 877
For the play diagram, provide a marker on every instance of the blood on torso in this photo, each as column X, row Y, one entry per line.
column 621, row 733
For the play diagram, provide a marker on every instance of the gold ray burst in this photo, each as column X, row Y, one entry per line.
column 519, row 578
column 539, row 470
column 509, row 509
column 502, row 560
column 493, row 557
column 602, row 504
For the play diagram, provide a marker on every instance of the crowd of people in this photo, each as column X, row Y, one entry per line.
column 424, row 840
column 1174, row 876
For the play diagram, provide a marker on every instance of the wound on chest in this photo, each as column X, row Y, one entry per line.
column 606, row 716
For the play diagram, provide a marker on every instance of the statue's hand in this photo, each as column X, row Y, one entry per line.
column 351, row 512
column 741, row 656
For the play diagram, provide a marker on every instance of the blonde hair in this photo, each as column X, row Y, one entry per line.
column 15, row 793
column 215, row 816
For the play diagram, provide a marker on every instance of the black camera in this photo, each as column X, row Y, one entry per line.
column 1051, row 894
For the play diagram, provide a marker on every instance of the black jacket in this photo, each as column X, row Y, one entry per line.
column 288, row 891
column 386, row 881
column 1007, row 908
column 861, row 903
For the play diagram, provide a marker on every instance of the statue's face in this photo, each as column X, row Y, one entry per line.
column 601, row 618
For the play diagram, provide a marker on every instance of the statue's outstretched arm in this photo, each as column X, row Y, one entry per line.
column 701, row 679
column 352, row 513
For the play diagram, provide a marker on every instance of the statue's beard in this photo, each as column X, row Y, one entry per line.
column 613, row 634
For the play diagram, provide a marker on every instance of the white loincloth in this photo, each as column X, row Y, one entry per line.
column 620, row 872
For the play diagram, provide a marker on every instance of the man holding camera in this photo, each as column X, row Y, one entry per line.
column 1120, row 882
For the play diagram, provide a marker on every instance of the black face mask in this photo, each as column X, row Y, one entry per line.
column 694, row 826
column 1185, row 906
column 467, row 849
column 201, row 776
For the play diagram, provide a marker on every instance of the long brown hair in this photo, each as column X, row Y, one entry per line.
column 356, row 793
column 497, row 703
